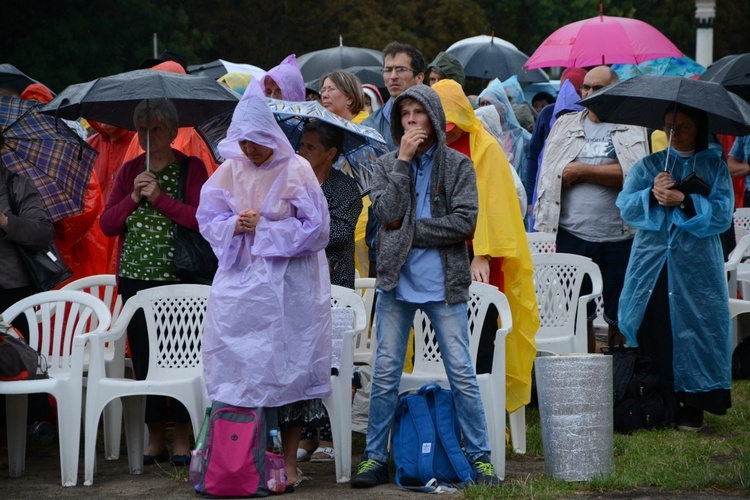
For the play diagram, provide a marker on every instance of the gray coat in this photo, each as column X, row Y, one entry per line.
column 453, row 204
column 32, row 227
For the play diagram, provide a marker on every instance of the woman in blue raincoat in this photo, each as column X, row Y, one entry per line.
column 674, row 304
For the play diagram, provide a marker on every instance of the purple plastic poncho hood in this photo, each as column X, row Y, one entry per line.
column 267, row 330
column 289, row 79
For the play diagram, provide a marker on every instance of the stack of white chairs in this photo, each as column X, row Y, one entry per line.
column 339, row 403
column 61, row 324
column 104, row 287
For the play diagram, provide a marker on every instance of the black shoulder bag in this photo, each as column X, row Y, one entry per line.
column 194, row 259
column 45, row 267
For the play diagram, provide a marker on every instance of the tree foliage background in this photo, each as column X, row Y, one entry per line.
column 63, row 42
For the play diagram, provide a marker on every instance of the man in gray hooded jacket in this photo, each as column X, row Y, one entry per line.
column 424, row 197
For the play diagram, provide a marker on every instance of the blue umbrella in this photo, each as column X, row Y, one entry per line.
column 362, row 145
column 663, row 66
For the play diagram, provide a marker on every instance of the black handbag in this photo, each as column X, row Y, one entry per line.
column 45, row 267
column 692, row 184
column 194, row 259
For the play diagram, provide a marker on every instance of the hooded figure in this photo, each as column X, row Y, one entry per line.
column 515, row 139
column 499, row 233
column 448, row 67
column 525, row 114
column 267, row 338
column 288, row 78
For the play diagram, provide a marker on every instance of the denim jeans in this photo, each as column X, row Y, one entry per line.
column 394, row 320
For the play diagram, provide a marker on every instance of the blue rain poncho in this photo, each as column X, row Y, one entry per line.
column 267, row 330
column 698, row 302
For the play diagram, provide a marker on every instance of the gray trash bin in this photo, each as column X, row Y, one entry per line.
column 575, row 409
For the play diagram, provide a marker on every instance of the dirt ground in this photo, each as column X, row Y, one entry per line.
column 113, row 480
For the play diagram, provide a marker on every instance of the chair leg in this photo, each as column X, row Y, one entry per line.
column 517, row 421
column 16, row 411
column 112, row 429
column 134, row 411
column 69, row 431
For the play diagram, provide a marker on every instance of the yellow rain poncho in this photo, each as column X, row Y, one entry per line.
column 500, row 233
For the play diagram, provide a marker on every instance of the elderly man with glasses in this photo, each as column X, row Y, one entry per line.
column 582, row 172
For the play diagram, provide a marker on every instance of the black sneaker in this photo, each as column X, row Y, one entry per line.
column 370, row 473
column 486, row 472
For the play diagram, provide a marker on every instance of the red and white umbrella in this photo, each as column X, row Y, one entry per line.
column 602, row 40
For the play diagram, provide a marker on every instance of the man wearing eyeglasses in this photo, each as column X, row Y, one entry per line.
column 583, row 168
column 403, row 67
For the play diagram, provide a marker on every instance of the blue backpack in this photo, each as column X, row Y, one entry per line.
column 427, row 442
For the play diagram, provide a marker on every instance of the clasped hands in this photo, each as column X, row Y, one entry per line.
column 664, row 191
column 145, row 186
column 247, row 221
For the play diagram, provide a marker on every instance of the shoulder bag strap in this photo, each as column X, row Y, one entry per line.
column 183, row 179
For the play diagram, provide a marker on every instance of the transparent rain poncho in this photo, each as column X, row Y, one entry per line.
column 691, row 250
column 267, row 331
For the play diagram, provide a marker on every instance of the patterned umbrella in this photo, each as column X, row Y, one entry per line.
column 663, row 66
column 53, row 156
column 362, row 145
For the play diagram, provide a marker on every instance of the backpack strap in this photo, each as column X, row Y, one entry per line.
column 445, row 423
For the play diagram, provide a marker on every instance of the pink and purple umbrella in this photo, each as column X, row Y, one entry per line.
column 602, row 40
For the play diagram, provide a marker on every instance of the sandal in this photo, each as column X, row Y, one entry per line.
column 323, row 455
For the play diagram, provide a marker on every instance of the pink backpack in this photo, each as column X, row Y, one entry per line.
column 235, row 456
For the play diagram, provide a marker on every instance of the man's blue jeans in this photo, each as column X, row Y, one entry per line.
column 394, row 321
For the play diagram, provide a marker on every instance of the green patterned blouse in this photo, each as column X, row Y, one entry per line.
column 148, row 250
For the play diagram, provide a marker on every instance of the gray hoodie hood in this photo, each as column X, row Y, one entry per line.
column 429, row 99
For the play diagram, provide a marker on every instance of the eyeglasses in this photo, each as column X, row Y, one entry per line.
column 330, row 90
column 400, row 70
column 586, row 87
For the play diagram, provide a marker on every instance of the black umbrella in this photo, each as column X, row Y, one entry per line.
column 112, row 99
column 644, row 99
column 313, row 65
column 733, row 72
column 489, row 60
column 12, row 77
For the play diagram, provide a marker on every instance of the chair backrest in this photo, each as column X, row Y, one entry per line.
column 174, row 319
column 103, row 286
column 363, row 343
column 57, row 320
column 733, row 262
column 427, row 357
column 346, row 297
column 542, row 242
column 562, row 310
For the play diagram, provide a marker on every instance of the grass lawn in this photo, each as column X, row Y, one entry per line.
column 714, row 462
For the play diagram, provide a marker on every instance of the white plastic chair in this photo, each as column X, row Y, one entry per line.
column 429, row 368
column 562, row 312
column 104, row 287
column 174, row 317
column 60, row 326
column 364, row 343
column 542, row 242
column 339, row 403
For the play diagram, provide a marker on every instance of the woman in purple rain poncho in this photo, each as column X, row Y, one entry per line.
column 267, row 331
column 285, row 81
